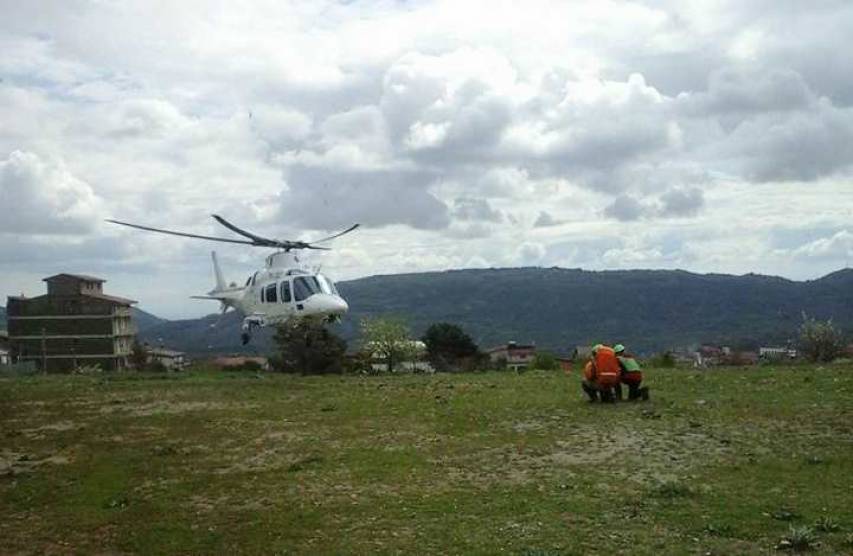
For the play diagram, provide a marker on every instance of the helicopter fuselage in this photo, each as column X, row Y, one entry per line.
column 280, row 293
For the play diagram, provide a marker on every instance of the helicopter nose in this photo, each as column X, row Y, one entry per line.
column 339, row 306
column 326, row 304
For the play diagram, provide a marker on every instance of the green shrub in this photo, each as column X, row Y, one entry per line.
column 798, row 539
column 671, row 489
column 820, row 341
column 545, row 361
column 665, row 360
column 826, row 524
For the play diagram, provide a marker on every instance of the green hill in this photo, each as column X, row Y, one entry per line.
column 559, row 308
column 144, row 320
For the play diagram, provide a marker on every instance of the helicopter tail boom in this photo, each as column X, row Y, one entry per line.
column 217, row 273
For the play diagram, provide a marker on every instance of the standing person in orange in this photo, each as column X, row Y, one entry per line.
column 631, row 375
column 601, row 374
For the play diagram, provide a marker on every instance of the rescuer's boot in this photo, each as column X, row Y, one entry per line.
column 634, row 392
column 591, row 392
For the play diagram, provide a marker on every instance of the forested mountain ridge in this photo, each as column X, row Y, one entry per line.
column 559, row 308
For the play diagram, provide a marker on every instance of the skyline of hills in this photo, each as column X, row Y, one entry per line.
column 557, row 308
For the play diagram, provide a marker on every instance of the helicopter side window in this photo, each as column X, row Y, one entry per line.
column 271, row 293
column 317, row 287
column 285, row 292
column 304, row 287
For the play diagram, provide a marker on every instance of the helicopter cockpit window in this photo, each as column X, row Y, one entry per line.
column 285, row 292
column 332, row 287
column 271, row 293
column 326, row 284
column 304, row 287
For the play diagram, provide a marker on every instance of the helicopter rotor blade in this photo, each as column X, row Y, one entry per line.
column 183, row 234
column 339, row 234
column 233, row 228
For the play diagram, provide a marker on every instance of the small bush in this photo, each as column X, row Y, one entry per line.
column 826, row 524
column 785, row 514
column 665, row 360
column 719, row 530
column 545, row 361
column 798, row 539
column 153, row 367
column 820, row 341
column 672, row 489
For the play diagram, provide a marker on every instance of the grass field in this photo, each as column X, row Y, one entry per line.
column 719, row 462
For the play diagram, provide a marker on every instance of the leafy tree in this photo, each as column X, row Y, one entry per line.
column 138, row 356
column 820, row 341
column 545, row 361
column 448, row 346
column 388, row 339
column 307, row 348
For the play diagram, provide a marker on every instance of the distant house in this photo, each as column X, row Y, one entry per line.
column 74, row 324
column 517, row 356
column 776, row 353
column 709, row 355
column 170, row 359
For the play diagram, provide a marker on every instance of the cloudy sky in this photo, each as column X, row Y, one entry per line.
column 713, row 136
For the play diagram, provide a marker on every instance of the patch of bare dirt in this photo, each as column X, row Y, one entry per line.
column 166, row 407
column 17, row 463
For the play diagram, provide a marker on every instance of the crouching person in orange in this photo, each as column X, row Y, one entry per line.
column 630, row 375
column 601, row 374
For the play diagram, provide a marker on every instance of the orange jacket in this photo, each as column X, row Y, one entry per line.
column 607, row 368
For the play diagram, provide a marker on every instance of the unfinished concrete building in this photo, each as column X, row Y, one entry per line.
column 75, row 324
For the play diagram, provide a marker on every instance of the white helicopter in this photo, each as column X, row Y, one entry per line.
column 281, row 292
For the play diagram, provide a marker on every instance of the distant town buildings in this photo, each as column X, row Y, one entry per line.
column 517, row 356
column 170, row 359
column 777, row 353
column 73, row 325
column 4, row 348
